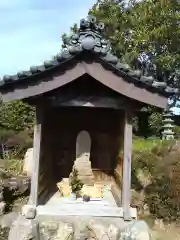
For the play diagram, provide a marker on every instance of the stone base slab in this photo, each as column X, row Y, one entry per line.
column 29, row 211
column 83, row 209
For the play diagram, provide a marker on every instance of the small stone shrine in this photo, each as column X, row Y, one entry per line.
column 84, row 96
column 82, row 163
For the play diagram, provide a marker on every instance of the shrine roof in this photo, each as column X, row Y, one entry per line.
column 90, row 40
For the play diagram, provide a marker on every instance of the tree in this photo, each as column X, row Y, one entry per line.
column 16, row 116
column 155, row 122
column 145, row 33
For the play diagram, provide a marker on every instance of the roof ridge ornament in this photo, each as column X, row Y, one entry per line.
column 91, row 24
column 90, row 37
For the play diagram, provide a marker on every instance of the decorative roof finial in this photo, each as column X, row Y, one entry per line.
column 91, row 24
column 89, row 37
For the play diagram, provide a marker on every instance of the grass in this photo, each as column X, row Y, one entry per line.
column 145, row 145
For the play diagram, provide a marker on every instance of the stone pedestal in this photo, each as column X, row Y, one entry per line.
column 83, row 166
column 82, row 163
column 29, row 211
column 28, row 161
column 2, row 208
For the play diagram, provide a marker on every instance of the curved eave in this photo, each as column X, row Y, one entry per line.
column 57, row 76
column 126, row 88
column 109, row 61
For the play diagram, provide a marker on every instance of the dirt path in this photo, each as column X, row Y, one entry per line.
column 161, row 231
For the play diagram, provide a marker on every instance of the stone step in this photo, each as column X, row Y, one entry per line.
column 83, row 209
column 83, row 173
column 81, row 164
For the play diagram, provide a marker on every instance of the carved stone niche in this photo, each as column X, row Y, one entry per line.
column 82, row 163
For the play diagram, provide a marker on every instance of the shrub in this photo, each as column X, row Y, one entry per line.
column 163, row 192
column 19, row 143
column 4, row 233
column 75, row 182
column 177, row 131
column 14, row 166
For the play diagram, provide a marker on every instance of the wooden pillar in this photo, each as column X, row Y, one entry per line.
column 36, row 158
column 126, row 185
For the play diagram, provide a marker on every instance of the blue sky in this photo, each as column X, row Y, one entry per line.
column 30, row 30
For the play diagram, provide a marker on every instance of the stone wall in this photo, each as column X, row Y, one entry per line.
column 97, row 229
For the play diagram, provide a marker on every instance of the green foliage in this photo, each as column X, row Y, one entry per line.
column 162, row 163
column 4, row 233
column 64, row 37
column 177, row 131
column 152, row 26
column 16, row 116
column 148, row 26
column 16, row 127
column 19, row 143
column 5, row 134
column 14, row 167
column 145, row 145
column 155, row 123
column 149, row 122
column 75, row 183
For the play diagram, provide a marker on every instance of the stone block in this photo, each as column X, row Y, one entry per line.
column 28, row 162
column 85, row 171
column 137, row 230
column 83, row 162
column 100, row 231
column 83, row 177
column 68, row 229
column 19, row 184
column 24, row 229
column 1, row 194
column 56, row 230
column 2, row 207
column 8, row 219
column 29, row 211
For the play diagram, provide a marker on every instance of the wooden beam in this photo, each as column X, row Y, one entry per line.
column 36, row 158
column 91, row 101
column 126, row 185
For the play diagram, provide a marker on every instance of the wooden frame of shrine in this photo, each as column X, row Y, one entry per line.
column 85, row 87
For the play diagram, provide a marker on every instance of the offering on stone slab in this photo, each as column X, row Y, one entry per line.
column 64, row 188
column 86, row 198
column 92, row 191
